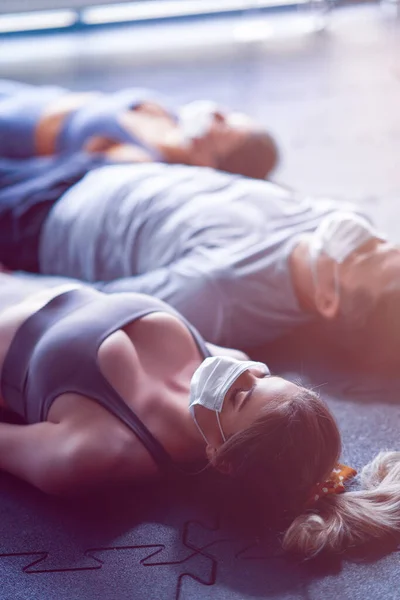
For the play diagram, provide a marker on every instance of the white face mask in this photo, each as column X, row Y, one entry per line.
column 339, row 235
column 195, row 118
column 212, row 380
column 239, row 120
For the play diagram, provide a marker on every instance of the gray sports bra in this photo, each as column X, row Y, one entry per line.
column 55, row 351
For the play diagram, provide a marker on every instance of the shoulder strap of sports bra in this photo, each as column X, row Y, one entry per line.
column 110, row 398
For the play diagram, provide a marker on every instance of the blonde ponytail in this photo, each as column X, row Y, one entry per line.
column 338, row 522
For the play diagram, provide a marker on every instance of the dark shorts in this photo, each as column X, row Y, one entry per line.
column 28, row 190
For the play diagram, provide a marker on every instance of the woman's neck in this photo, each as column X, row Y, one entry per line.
column 181, row 437
column 173, row 148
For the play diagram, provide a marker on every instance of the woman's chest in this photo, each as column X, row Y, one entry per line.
column 150, row 363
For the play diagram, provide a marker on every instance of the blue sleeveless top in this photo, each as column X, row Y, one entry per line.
column 21, row 107
column 55, row 352
column 101, row 118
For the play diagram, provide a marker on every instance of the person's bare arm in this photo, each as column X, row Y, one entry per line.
column 117, row 152
column 56, row 458
column 34, row 453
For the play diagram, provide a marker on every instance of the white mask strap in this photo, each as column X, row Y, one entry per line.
column 336, row 280
column 200, row 429
column 315, row 250
column 220, row 428
column 202, row 433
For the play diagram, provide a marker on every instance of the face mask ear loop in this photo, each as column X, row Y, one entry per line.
column 336, row 280
column 220, row 428
column 314, row 251
column 200, row 429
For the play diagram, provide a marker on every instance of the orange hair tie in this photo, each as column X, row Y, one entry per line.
column 333, row 485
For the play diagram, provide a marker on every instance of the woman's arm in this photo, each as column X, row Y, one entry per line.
column 59, row 459
column 33, row 452
column 126, row 153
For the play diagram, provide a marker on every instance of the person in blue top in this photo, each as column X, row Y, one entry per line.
column 131, row 125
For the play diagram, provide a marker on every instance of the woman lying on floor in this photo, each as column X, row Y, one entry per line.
column 121, row 387
column 132, row 125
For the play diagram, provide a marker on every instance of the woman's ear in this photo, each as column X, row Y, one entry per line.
column 219, row 116
column 327, row 303
column 326, row 294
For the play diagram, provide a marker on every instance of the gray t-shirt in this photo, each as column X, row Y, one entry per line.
column 213, row 245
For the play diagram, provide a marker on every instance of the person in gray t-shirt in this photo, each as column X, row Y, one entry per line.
column 244, row 260
column 213, row 245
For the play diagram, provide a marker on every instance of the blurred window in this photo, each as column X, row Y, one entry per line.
column 31, row 15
